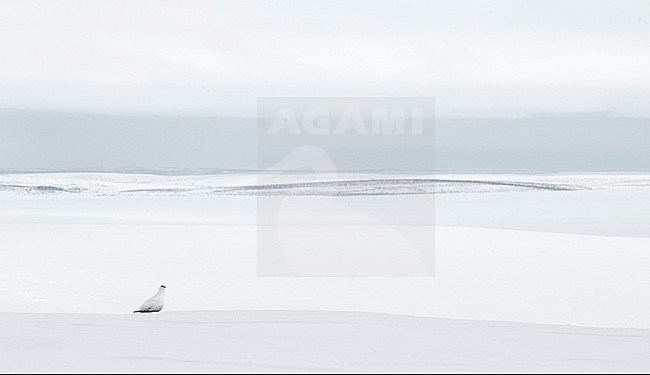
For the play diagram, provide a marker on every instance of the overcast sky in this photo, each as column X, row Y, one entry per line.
column 479, row 59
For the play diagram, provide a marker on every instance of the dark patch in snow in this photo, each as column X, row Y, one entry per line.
column 385, row 187
column 38, row 188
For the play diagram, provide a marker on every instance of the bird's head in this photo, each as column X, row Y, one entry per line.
column 162, row 287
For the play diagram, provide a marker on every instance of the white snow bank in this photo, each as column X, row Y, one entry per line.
column 303, row 341
column 479, row 274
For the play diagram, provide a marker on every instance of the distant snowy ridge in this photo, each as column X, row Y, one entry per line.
column 322, row 188
column 299, row 184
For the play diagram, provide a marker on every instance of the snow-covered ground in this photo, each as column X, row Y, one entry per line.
column 548, row 249
column 308, row 341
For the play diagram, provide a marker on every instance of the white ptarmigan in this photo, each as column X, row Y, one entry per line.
column 155, row 303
